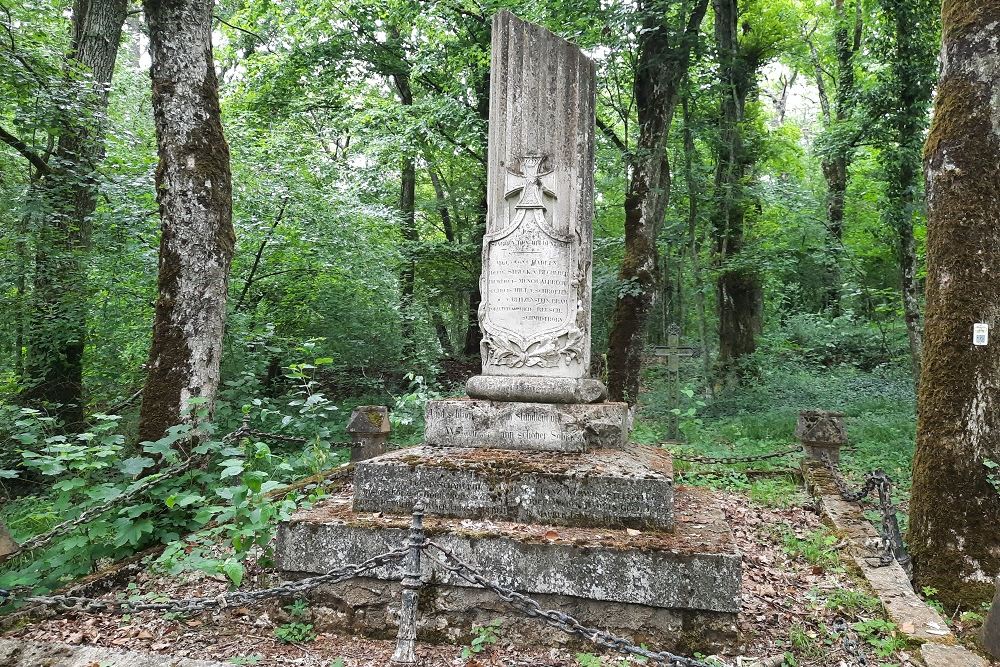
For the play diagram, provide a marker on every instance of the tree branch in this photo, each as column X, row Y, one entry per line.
column 612, row 136
column 31, row 156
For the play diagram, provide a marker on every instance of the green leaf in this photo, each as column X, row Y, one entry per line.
column 233, row 570
column 133, row 466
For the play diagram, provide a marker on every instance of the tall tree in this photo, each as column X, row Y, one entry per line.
column 739, row 294
column 911, row 29
column 841, row 133
column 194, row 191
column 955, row 510
column 57, row 327
column 663, row 58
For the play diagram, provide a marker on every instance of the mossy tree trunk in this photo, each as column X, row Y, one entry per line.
column 843, row 139
column 194, row 191
column 955, row 511
column 56, row 330
column 663, row 54
column 408, row 221
column 739, row 294
column 912, row 70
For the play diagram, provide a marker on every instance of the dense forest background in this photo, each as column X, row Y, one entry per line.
column 329, row 107
column 759, row 185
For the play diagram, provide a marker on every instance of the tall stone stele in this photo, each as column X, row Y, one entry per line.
column 535, row 391
column 531, row 479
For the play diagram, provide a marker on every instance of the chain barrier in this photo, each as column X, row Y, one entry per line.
column 417, row 543
column 140, row 487
column 556, row 619
column 849, row 640
column 731, row 460
column 879, row 483
column 194, row 605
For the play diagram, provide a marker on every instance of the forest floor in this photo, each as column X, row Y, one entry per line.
column 797, row 577
column 795, row 584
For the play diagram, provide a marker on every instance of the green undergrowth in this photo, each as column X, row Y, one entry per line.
column 760, row 415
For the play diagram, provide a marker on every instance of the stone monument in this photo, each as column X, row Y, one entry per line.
column 531, row 478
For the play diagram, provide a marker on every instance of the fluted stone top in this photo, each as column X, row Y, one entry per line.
column 536, row 280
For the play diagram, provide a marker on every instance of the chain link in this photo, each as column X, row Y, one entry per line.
column 849, row 640
column 557, row 619
column 730, row 460
column 878, row 482
column 199, row 604
column 67, row 526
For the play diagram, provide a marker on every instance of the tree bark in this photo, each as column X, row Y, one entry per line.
column 836, row 166
column 690, row 155
column 739, row 295
column 57, row 327
column 662, row 63
column 194, row 191
column 955, row 510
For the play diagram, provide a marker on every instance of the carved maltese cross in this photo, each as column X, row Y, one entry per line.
column 530, row 182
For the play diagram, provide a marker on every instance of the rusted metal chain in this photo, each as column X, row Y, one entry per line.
column 731, row 460
column 556, row 619
column 194, row 605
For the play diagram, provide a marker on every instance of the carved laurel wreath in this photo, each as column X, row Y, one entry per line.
column 502, row 350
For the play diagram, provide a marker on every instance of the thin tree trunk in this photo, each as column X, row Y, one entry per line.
column 407, row 213
column 58, row 325
column 194, row 190
column 738, row 289
column 442, row 204
column 473, row 334
column 954, row 509
column 662, row 64
column 847, row 43
column 690, row 154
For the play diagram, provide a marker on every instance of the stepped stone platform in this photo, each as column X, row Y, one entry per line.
column 602, row 488
column 650, row 584
column 561, row 427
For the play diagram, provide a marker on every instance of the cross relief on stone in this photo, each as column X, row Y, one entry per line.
column 530, row 182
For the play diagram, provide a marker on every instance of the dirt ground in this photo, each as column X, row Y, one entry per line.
column 790, row 600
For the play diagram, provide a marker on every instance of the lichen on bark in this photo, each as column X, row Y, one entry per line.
column 955, row 511
column 194, row 190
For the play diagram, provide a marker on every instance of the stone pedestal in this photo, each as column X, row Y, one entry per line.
column 369, row 431
column 822, row 434
column 603, row 488
column 561, row 427
column 650, row 585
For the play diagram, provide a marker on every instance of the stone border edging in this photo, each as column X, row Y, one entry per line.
column 914, row 618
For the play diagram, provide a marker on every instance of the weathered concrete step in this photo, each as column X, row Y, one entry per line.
column 20, row 653
column 559, row 427
column 696, row 567
column 602, row 488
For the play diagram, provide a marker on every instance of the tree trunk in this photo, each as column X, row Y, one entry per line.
column 58, row 325
column 194, row 190
column 662, row 64
column 690, row 155
column 913, row 66
column 847, row 42
column 473, row 334
column 739, row 295
column 955, row 510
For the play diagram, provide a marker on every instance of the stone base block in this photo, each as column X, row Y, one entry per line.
column 562, row 427
column 696, row 567
column 601, row 488
column 536, row 389
column 449, row 614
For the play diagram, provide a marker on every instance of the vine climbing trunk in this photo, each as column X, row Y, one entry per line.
column 194, row 191
column 739, row 294
column 56, row 330
column 955, row 506
column 662, row 64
